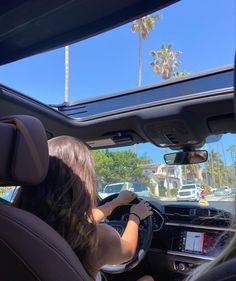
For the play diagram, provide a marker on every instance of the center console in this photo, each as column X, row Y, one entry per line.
column 191, row 245
column 204, row 243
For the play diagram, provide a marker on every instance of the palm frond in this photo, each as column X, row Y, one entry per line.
column 135, row 27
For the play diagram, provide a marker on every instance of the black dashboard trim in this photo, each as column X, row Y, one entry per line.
column 200, row 226
column 187, row 255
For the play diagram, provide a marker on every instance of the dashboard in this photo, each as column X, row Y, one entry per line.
column 191, row 235
column 184, row 236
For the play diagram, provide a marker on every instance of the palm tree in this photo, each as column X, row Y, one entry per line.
column 165, row 62
column 193, row 172
column 231, row 149
column 143, row 26
column 66, row 95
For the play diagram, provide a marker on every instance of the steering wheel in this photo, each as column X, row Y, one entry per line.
column 144, row 238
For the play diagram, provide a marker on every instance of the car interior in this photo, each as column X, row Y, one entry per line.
column 29, row 248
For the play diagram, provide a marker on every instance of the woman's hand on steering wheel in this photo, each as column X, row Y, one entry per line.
column 125, row 197
column 142, row 210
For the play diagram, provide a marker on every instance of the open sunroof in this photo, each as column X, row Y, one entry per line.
column 217, row 80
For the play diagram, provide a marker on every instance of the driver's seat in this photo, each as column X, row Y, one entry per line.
column 30, row 249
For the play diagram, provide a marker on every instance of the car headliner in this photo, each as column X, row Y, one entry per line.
column 31, row 27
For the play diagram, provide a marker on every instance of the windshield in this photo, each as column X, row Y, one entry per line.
column 143, row 169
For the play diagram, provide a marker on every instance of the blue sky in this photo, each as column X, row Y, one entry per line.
column 204, row 30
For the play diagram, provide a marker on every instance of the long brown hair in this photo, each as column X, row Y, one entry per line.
column 66, row 197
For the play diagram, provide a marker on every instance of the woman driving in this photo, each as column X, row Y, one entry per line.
column 66, row 200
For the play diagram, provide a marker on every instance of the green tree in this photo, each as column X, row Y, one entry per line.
column 192, row 172
column 166, row 62
column 231, row 149
column 143, row 26
column 102, row 166
column 219, row 172
column 119, row 166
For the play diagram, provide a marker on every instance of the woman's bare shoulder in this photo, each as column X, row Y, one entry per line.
column 107, row 232
column 109, row 244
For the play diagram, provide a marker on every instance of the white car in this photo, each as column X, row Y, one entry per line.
column 141, row 189
column 113, row 188
column 189, row 192
column 223, row 191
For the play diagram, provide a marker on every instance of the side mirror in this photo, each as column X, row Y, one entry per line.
column 186, row 157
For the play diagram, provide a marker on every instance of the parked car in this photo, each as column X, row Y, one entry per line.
column 141, row 189
column 113, row 188
column 213, row 189
column 223, row 191
column 189, row 192
column 233, row 189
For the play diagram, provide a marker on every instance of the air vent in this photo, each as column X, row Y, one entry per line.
column 212, row 217
column 203, row 212
column 213, row 213
column 206, row 213
column 181, row 211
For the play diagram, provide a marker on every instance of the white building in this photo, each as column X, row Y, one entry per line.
column 163, row 175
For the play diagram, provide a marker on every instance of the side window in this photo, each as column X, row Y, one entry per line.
column 8, row 193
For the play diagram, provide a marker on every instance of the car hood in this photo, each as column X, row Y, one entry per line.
column 31, row 27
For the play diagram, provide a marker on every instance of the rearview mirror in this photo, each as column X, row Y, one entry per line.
column 186, row 157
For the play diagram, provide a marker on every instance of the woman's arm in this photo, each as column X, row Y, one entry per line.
column 114, row 249
column 101, row 212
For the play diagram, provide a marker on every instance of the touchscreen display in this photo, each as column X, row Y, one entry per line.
column 194, row 241
column 197, row 242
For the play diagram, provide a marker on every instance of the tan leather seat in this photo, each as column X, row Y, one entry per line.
column 29, row 248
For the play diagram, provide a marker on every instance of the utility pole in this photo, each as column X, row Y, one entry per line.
column 225, row 163
column 218, row 164
column 167, row 178
column 212, row 167
column 66, row 95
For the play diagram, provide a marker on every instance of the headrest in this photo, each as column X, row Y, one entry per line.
column 23, row 149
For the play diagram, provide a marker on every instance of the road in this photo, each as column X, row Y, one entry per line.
column 220, row 202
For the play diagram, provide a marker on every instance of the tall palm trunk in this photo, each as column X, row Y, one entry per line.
column 66, row 95
column 139, row 71
column 140, row 60
column 218, row 165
